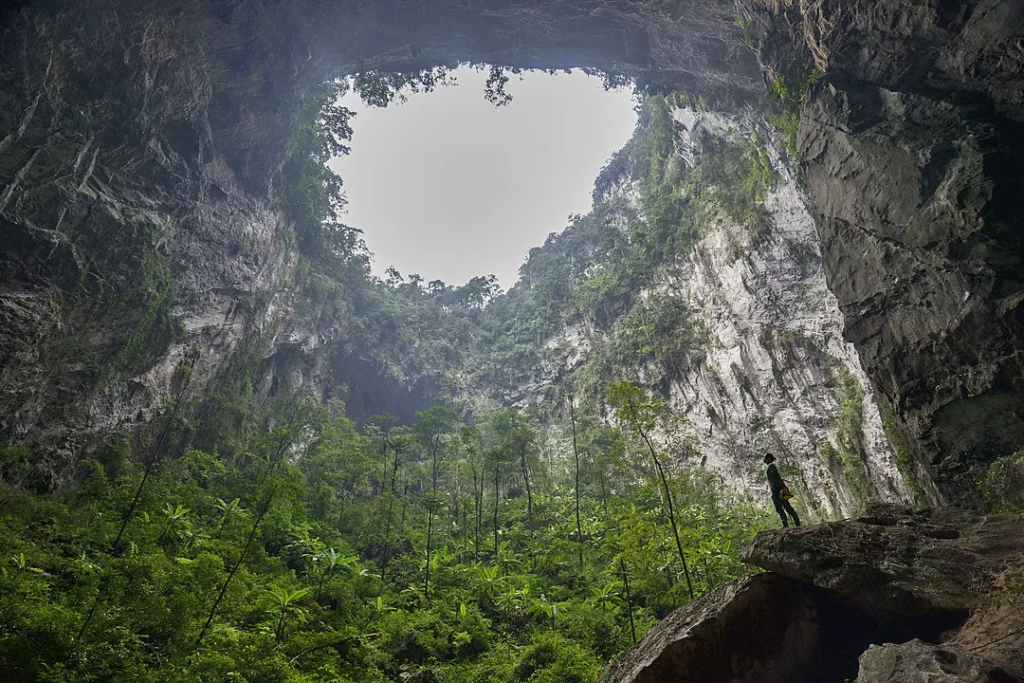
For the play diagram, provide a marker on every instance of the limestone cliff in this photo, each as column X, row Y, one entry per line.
column 777, row 373
column 911, row 149
column 879, row 598
column 764, row 365
column 142, row 147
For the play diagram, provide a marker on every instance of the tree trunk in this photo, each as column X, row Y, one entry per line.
column 576, row 454
column 526, row 482
column 497, row 467
column 629, row 598
column 671, row 510
column 430, row 528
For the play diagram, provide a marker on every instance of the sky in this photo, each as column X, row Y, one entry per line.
column 449, row 186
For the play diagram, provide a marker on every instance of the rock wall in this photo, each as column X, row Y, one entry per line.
column 911, row 149
column 141, row 143
column 768, row 368
column 879, row 598
column 132, row 249
column 776, row 372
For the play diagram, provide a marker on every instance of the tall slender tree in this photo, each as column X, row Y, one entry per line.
column 639, row 413
column 576, row 456
column 380, row 425
column 518, row 439
column 434, row 426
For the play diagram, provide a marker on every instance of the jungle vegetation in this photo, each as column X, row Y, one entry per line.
column 246, row 538
column 283, row 543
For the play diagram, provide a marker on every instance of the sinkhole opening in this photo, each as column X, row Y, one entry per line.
column 446, row 186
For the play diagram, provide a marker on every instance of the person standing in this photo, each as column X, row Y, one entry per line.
column 780, row 492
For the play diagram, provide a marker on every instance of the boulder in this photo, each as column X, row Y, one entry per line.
column 763, row 628
column 897, row 565
column 917, row 662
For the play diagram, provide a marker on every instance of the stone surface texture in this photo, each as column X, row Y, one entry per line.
column 762, row 629
column 910, row 146
column 770, row 372
column 917, row 662
column 880, row 599
column 895, row 564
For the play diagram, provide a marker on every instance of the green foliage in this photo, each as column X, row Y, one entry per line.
column 904, row 460
column 379, row 88
column 849, row 437
column 789, row 92
column 1003, row 486
column 153, row 295
column 657, row 332
column 634, row 407
column 289, row 530
column 311, row 192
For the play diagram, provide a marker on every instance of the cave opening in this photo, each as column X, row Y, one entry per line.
column 459, row 181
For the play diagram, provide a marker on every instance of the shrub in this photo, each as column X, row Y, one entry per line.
column 1003, row 487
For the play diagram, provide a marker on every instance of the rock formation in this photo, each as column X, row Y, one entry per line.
column 166, row 125
column 892, row 589
column 910, row 146
column 917, row 662
column 763, row 628
column 767, row 368
column 897, row 565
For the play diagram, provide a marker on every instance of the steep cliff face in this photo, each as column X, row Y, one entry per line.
column 141, row 149
column 761, row 363
column 132, row 250
column 777, row 374
column 911, row 146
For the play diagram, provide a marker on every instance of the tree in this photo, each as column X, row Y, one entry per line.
column 576, row 488
column 434, row 425
column 518, row 438
column 380, row 425
column 469, row 438
column 639, row 413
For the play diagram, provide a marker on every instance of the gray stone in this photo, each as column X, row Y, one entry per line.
column 917, row 662
column 895, row 564
column 762, row 629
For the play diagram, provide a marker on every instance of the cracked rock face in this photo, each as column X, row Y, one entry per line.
column 917, row 662
column 897, row 565
column 762, row 629
column 771, row 370
column 911, row 149
column 920, row 244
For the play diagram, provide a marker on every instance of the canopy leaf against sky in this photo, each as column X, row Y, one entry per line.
column 449, row 186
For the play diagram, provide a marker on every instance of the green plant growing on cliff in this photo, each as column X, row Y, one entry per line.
column 849, row 436
column 789, row 93
column 658, row 332
column 310, row 191
column 153, row 294
column 1002, row 489
column 904, row 460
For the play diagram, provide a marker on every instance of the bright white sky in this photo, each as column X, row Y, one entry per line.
column 448, row 186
